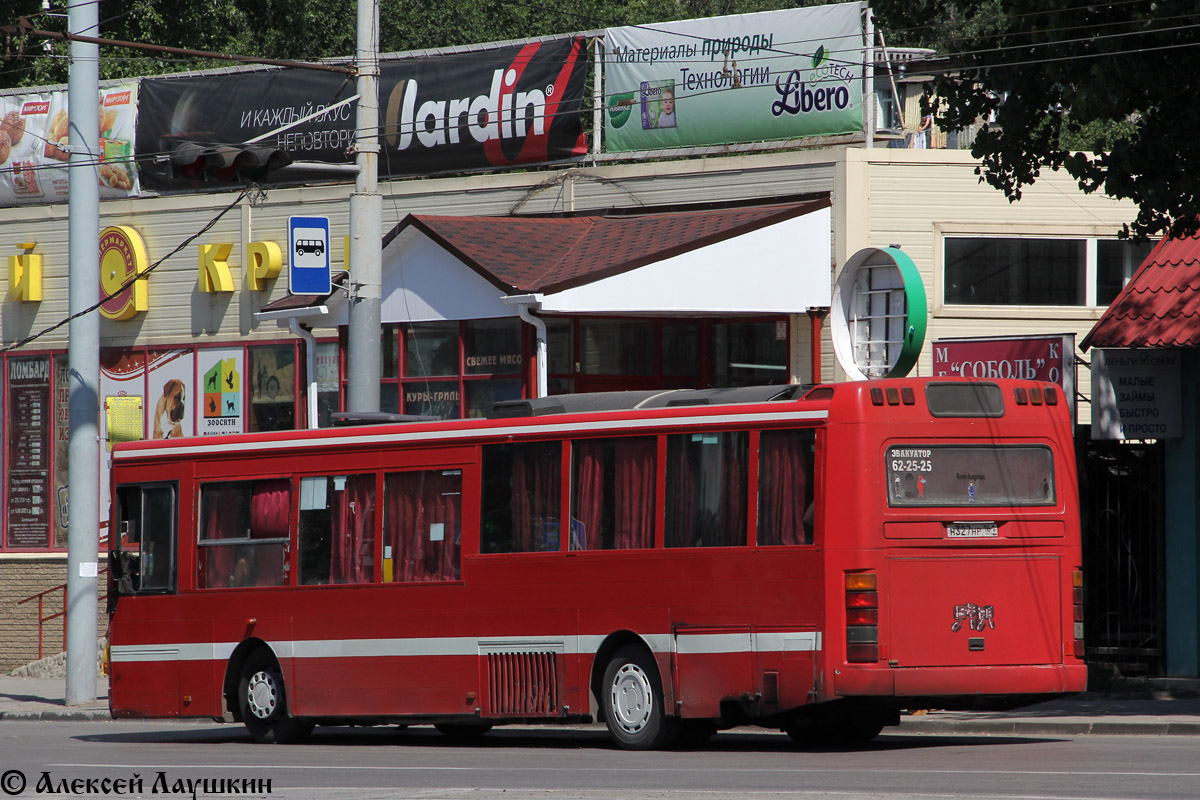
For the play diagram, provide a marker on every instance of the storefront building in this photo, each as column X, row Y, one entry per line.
column 217, row 345
column 1154, row 323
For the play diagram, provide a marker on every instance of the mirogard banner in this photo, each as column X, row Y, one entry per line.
column 739, row 78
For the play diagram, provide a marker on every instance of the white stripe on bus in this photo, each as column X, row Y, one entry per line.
column 685, row 644
column 215, row 445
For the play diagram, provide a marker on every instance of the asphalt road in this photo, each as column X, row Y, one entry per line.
column 580, row 764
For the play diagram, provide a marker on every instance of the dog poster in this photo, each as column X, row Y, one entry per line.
column 169, row 378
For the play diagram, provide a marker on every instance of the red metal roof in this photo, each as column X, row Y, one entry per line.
column 552, row 253
column 1160, row 306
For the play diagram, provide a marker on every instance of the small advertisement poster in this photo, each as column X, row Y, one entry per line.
column 34, row 133
column 1137, row 394
column 221, row 373
column 28, row 416
column 739, row 78
column 170, row 396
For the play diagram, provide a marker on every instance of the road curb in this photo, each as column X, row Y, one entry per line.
column 1052, row 728
column 59, row 715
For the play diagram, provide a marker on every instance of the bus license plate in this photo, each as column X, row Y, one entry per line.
column 971, row 530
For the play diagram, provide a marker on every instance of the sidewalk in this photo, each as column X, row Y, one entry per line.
column 1117, row 715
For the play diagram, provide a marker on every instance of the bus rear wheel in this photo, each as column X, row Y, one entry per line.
column 263, row 702
column 632, row 697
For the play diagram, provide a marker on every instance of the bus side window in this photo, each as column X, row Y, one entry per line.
column 422, row 525
column 521, row 497
column 244, row 534
column 612, row 493
column 785, row 487
column 706, row 489
column 336, row 535
column 143, row 559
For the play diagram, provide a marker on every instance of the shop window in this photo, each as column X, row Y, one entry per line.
column 430, row 349
column 1116, row 262
column 432, row 399
column 560, row 355
column 143, row 559
column 389, row 352
column 422, row 525
column 618, row 347
column 521, row 510
column 492, row 347
column 785, row 487
column 482, row 393
column 1034, row 272
column 681, row 349
column 612, row 493
column 706, row 489
column 272, row 387
column 328, row 384
column 244, row 534
column 749, row 353
column 336, row 534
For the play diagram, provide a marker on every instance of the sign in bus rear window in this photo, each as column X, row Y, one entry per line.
column 966, row 475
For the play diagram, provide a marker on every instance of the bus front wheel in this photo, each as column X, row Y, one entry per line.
column 633, row 701
column 263, row 702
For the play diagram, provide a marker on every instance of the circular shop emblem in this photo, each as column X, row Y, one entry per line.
column 122, row 259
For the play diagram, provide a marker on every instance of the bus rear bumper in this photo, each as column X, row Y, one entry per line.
column 960, row 681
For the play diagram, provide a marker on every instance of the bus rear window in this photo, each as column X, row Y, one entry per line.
column 970, row 475
column 964, row 399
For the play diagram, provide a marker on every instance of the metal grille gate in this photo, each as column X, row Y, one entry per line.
column 1121, row 493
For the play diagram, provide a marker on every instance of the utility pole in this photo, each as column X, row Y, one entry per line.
column 366, row 222
column 83, row 356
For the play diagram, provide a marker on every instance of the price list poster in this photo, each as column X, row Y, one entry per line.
column 29, row 415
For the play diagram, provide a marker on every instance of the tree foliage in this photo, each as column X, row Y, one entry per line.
column 314, row 29
column 1101, row 91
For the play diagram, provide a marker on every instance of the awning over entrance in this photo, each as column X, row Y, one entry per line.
column 753, row 259
column 1160, row 306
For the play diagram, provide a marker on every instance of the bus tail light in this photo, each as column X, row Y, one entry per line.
column 862, row 618
column 1077, row 610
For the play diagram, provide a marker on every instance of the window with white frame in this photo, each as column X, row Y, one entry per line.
column 1009, row 271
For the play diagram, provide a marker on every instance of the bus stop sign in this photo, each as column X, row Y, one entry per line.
column 308, row 259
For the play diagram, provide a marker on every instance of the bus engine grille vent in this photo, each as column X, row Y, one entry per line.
column 522, row 684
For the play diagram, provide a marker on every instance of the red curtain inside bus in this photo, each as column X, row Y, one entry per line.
column 241, row 513
column 536, row 483
column 706, row 489
column 353, row 558
column 614, row 494
column 781, row 497
column 422, row 524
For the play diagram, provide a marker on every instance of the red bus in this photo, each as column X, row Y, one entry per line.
column 810, row 559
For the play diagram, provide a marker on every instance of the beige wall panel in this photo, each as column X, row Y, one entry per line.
column 917, row 197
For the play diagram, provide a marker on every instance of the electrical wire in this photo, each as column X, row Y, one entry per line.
column 140, row 276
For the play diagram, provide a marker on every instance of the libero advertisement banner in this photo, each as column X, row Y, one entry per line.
column 33, row 146
column 486, row 109
column 740, row 78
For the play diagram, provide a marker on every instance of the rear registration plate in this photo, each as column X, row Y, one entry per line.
column 972, row 530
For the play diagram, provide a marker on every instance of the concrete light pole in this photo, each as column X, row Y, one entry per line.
column 83, row 355
column 366, row 222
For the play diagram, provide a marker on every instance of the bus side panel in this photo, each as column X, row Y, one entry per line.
column 712, row 663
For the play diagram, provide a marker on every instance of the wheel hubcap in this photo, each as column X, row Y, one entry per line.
column 632, row 698
column 262, row 695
